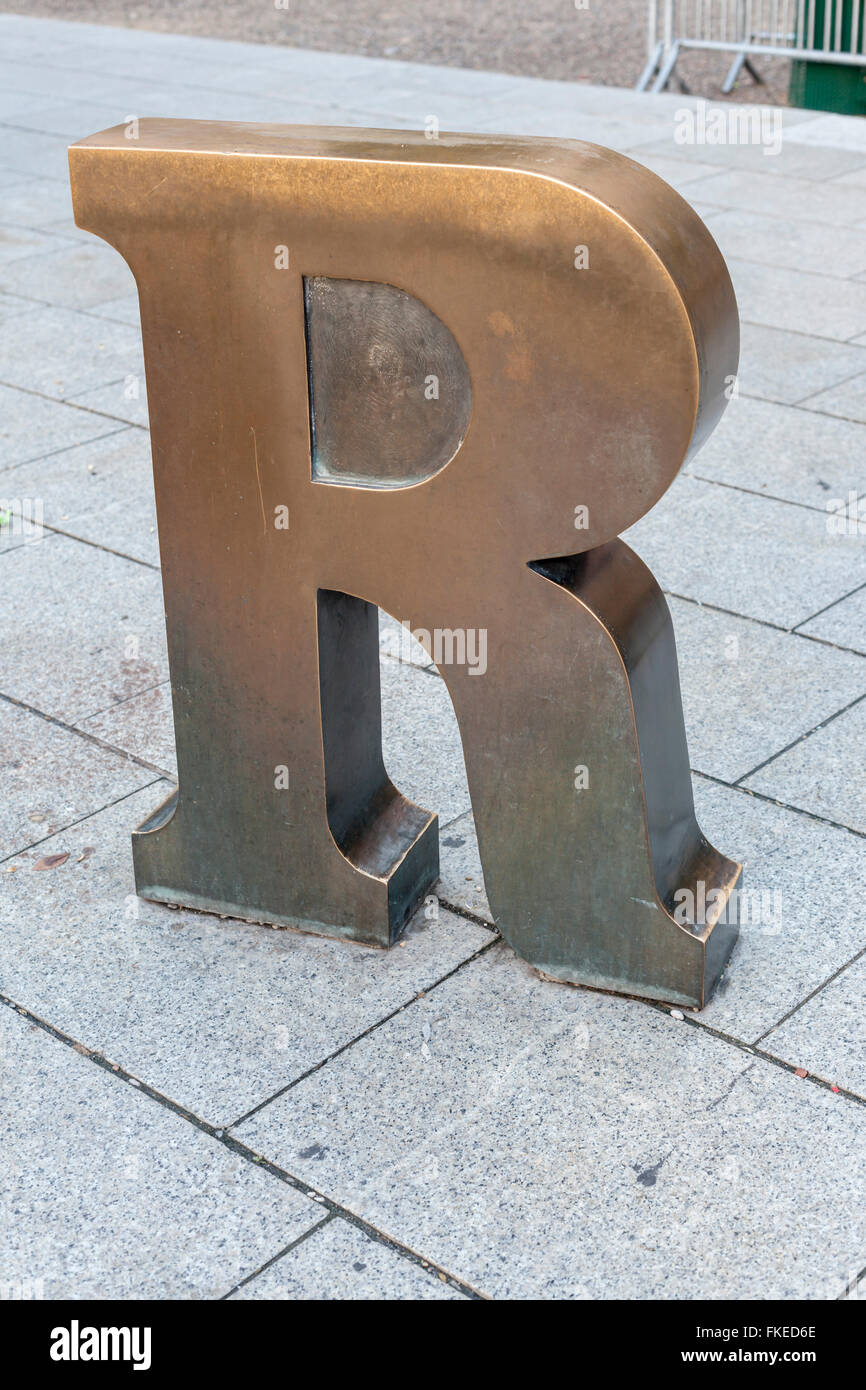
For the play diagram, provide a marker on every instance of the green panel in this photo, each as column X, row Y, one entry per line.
column 830, row 86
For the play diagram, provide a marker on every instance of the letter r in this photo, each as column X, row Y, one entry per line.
column 305, row 387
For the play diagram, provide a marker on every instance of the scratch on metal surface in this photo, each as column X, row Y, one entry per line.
column 259, row 481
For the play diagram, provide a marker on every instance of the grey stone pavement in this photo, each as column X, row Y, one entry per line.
column 200, row 1108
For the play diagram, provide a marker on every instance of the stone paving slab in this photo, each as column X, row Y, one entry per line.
column 843, row 624
column 142, row 726
column 58, row 118
column 580, row 1146
column 31, row 152
column 627, row 136
column 39, row 203
column 196, row 103
column 823, row 773
column 19, row 243
column 32, row 427
column 10, row 177
column 116, row 1197
column 122, row 310
column 827, row 1034
column 122, row 400
column 59, row 81
column 803, row 162
column 216, row 1014
column 339, row 1261
column 681, row 176
column 396, row 641
column 840, row 203
column 19, row 523
column 16, row 104
column 782, row 298
column 785, row 242
column 792, row 367
column 52, row 777
column 748, row 690
column 791, row 455
column 421, row 740
column 831, row 131
column 803, row 920
column 461, row 883
column 848, row 399
column 61, row 353
column 77, row 275
column 101, row 492
column 90, row 630
column 11, row 305
column 749, row 554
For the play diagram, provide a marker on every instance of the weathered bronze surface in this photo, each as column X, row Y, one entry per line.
column 305, row 293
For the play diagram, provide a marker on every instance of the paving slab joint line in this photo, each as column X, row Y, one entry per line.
column 460, row 911
column 769, row 496
column 76, row 405
column 801, row 738
column 826, row 609
column 401, row 1008
column 299, row 1240
column 771, row 265
column 80, row 820
column 765, row 622
column 44, row 227
column 428, row 669
column 96, row 545
column 94, row 738
column 753, row 1050
column 367, row 65
column 853, row 1286
column 37, row 130
column 398, row 661
column 241, row 1150
column 72, row 242
column 817, row 990
column 11, row 468
column 783, row 805
column 824, row 641
column 803, row 402
column 804, row 333
column 96, row 311
column 118, row 704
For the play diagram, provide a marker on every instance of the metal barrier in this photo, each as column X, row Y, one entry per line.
column 830, row 31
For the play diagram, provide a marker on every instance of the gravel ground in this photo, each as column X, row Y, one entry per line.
column 605, row 43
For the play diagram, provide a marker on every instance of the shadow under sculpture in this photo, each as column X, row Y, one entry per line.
column 386, row 370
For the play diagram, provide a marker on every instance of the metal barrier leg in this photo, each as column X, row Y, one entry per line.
column 667, row 68
column 733, row 73
column 741, row 61
column 753, row 72
column 653, row 62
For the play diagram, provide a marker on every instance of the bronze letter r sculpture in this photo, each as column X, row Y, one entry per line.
column 441, row 377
